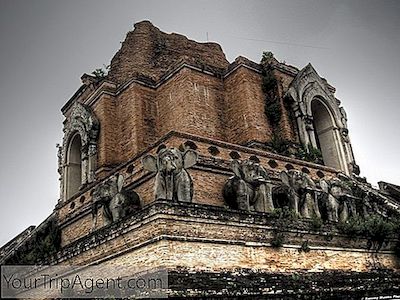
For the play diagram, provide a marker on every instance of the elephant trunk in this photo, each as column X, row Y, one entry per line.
column 169, row 170
column 169, row 167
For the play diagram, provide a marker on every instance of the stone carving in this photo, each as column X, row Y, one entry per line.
column 343, row 116
column 82, row 121
column 329, row 204
column 249, row 188
column 172, row 180
column 304, row 90
column 337, row 201
column 302, row 193
column 60, row 170
column 117, row 202
column 347, row 203
column 334, row 200
column 354, row 168
column 369, row 201
column 345, row 135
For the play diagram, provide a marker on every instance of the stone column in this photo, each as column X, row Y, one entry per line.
column 84, row 165
column 308, row 120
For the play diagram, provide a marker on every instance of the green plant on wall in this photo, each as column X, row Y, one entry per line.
column 267, row 56
column 379, row 229
column 375, row 227
column 316, row 223
column 279, row 145
column 278, row 239
column 310, row 154
column 273, row 111
column 304, row 247
column 287, row 148
column 101, row 73
column 43, row 243
column 268, row 80
column 353, row 227
column 284, row 216
column 269, row 85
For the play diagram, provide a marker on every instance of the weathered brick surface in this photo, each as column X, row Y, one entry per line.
column 146, row 191
column 209, row 176
column 209, row 256
column 244, row 107
column 203, row 247
column 136, row 117
column 196, row 234
column 256, row 284
column 174, row 108
column 204, row 104
column 76, row 229
column 207, row 187
column 105, row 111
column 192, row 89
column 148, row 51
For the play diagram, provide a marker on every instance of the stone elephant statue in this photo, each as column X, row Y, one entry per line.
column 172, row 181
column 328, row 203
column 347, row 202
column 248, row 189
column 302, row 193
column 117, row 202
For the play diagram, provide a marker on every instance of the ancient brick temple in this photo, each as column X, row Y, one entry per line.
column 238, row 178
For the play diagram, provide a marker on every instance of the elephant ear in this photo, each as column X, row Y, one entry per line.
column 150, row 163
column 235, row 166
column 285, row 178
column 120, row 182
column 189, row 158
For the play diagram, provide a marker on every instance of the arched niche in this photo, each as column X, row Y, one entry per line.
column 73, row 168
column 321, row 122
column 326, row 134
column 79, row 150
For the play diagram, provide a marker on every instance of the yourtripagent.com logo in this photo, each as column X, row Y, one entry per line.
column 38, row 282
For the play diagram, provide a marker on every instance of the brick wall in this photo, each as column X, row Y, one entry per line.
column 108, row 150
column 244, row 108
column 204, row 238
column 209, row 177
column 230, row 110
column 149, row 52
column 136, row 118
column 165, row 82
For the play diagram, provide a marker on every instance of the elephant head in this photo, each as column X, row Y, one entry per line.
column 248, row 188
column 343, row 193
column 294, row 182
column 172, row 180
column 250, row 171
column 104, row 192
column 339, row 189
column 329, row 204
column 117, row 203
column 302, row 193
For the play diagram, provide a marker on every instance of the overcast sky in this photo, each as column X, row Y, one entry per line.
column 45, row 46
